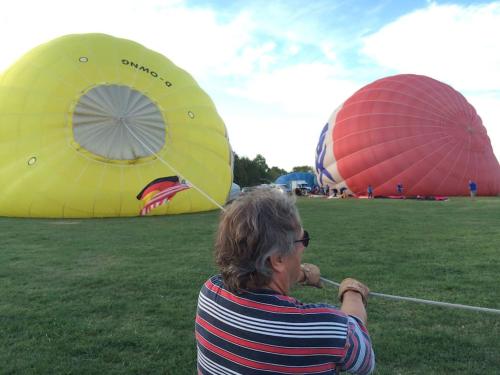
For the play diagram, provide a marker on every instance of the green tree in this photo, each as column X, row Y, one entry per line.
column 303, row 168
column 261, row 164
column 239, row 170
column 248, row 172
column 275, row 172
column 242, row 170
column 254, row 172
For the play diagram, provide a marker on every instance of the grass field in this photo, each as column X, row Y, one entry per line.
column 118, row 296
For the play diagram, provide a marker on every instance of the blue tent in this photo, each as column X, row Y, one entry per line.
column 287, row 179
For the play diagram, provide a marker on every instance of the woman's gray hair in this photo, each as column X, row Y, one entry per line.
column 253, row 227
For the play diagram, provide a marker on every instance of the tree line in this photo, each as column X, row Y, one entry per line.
column 251, row 172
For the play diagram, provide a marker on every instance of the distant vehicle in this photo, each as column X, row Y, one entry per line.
column 300, row 187
column 284, row 188
column 305, row 188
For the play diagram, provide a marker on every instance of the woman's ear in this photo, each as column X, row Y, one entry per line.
column 277, row 262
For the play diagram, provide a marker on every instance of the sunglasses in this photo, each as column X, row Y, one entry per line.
column 305, row 239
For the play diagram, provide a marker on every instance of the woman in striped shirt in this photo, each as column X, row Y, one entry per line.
column 247, row 323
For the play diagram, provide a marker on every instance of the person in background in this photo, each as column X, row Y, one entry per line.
column 472, row 189
column 248, row 323
column 343, row 192
column 335, row 192
column 370, row 192
column 399, row 188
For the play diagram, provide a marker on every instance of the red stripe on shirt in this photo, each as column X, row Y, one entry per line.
column 368, row 357
column 354, row 353
column 266, row 307
column 362, row 327
column 265, row 347
column 260, row 365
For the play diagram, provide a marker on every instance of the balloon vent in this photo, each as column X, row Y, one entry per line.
column 117, row 122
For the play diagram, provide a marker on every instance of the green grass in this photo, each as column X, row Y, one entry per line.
column 118, row 296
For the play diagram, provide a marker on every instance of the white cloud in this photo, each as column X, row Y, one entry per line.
column 293, row 49
column 300, row 88
column 454, row 43
column 329, row 51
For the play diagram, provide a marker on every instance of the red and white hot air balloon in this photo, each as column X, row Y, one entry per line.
column 411, row 130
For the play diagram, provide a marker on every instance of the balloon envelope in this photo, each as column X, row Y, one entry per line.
column 88, row 121
column 411, row 130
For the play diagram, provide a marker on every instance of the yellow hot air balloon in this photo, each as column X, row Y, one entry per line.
column 88, row 122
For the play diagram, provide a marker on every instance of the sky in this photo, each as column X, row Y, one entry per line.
column 276, row 70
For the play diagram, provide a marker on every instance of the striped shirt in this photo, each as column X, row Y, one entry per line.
column 263, row 332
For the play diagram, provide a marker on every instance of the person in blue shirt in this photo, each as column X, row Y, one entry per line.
column 370, row 191
column 472, row 189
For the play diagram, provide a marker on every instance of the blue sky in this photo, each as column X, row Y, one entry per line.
column 276, row 70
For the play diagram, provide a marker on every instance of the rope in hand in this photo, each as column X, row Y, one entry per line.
column 424, row 301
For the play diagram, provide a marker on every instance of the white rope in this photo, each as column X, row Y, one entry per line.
column 425, row 301
column 375, row 294
column 175, row 170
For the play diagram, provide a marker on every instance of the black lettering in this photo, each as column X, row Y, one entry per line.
column 145, row 69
